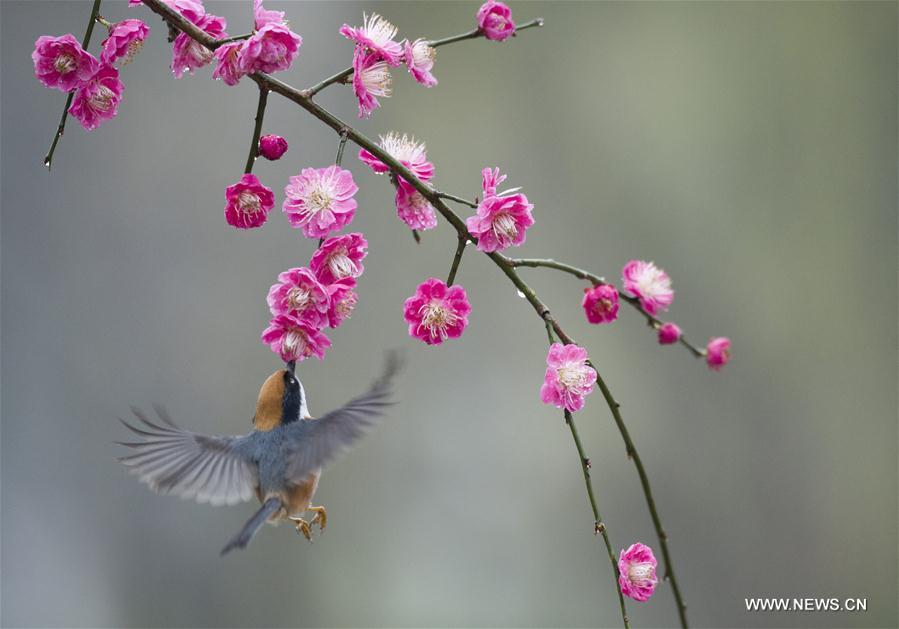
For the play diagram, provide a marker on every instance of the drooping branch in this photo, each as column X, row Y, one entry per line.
column 257, row 130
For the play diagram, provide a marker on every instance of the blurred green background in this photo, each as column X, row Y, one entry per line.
column 748, row 148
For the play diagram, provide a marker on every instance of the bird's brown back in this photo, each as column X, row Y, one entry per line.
column 270, row 404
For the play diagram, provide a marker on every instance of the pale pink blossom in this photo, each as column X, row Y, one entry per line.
column 98, row 99
column 376, row 35
column 420, row 60
column 228, row 63
column 339, row 257
column 413, row 208
column 601, row 303
column 637, row 572
column 272, row 48
column 568, row 378
column 501, row 220
column 262, row 16
column 294, row 340
column 61, row 63
column 495, row 20
column 188, row 55
column 343, row 300
column 436, row 312
column 248, row 202
column 404, row 149
column 371, row 79
column 650, row 284
column 125, row 40
column 717, row 352
column 669, row 333
column 272, row 147
column 320, row 200
column 299, row 294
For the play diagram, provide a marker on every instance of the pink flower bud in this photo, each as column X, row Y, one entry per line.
column 717, row 352
column 272, row 147
column 601, row 303
column 669, row 333
column 495, row 20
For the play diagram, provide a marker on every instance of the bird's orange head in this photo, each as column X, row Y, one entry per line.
column 281, row 400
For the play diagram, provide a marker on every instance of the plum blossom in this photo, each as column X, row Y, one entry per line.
column 420, row 60
column 413, row 208
column 437, row 312
column 501, row 220
column 295, row 340
column 262, row 16
column 320, row 200
column 125, row 40
column 61, row 63
column 601, row 303
column 188, row 54
column 248, row 203
column 495, row 20
column 568, row 378
column 404, row 149
column 343, row 300
column 272, row 48
column 650, row 284
column 669, row 333
column 299, row 294
column 376, row 35
column 339, row 257
column 98, row 99
column 272, row 147
column 228, row 67
column 637, row 572
column 371, row 79
column 717, row 352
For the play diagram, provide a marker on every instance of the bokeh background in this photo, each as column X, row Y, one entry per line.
column 748, row 148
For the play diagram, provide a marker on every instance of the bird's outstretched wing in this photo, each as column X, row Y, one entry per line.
column 217, row 470
column 311, row 444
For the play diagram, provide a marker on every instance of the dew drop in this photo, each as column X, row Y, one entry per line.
column 520, row 294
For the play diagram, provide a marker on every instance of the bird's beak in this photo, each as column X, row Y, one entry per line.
column 291, row 366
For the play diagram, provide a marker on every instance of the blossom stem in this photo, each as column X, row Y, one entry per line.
column 598, row 525
column 257, row 129
column 452, row 197
column 460, row 249
column 654, row 322
column 340, row 147
column 233, row 38
column 61, row 128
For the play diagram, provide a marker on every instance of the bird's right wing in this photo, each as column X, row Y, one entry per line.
column 312, row 443
column 217, row 470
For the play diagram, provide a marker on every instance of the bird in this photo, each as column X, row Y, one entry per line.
column 279, row 462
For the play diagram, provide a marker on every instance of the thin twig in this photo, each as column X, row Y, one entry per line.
column 340, row 147
column 257, row 129
column 61, row 128
column 452, row 197
column 233, row 38
column 460, row 249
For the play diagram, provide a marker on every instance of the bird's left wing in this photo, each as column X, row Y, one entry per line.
column 217, row 470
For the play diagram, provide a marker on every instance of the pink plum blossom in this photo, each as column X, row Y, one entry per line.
column 320, row 200
column 371, row 79
column 339, row 257
column 495, row 20
column 98, row 99
column 413, row 208
column 272, row 147
column 637, row 572
column 188, row 54
column 568, row 378
column 272, row 48
column 420, row 60
column 376, row 35
column 294, row 340
column 601, row 303
column 437, row 312
column 501, row 220
column 717, row 352
column 125, row 40
column 228, row 67
column 248, row 203
column 404, row 149
column 262, row 16
column 490, row 180
column 61, row 63
column 650, row 284
column 343, row 300
column 669, row 333
column 299, row 294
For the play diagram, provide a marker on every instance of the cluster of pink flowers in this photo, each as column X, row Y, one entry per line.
column 637, row 572
column 306, row 300
column 62, row 63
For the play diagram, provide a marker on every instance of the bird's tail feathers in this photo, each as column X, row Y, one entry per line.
column 268, row 508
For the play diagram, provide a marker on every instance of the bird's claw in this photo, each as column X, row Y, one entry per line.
column 320, row 518
column 303, row 528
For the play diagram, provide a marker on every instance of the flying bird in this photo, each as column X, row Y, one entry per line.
column 279, row 462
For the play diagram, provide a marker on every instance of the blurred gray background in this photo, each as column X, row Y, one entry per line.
column 748, row 148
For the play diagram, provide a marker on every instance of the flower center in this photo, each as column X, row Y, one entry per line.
column 436, row 317
column 572, row 377
column 652, row 282
column 101, row 100
column 295, row 342
column 603, row 306
column 298, row 298
column 64, row 63
column 640, row 573
column 319, row 200
column 376, row 79
column 340, row 265
column 504, row 227
column 379, row 30
column 346, row 305
column 133, row 48
column 422, row 54
column 248, row 202
column 404, row 148
column 496, row 22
